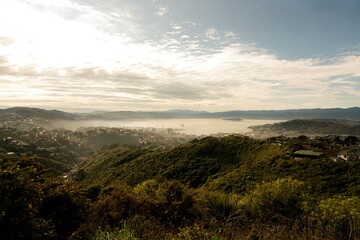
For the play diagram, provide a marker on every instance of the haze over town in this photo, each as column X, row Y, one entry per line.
column 77, row 55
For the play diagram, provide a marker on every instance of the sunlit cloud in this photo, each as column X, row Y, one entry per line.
column 49, row 59
column 212, row 34
column 161, row 9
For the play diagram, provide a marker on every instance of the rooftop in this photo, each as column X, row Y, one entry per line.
column 308, row 153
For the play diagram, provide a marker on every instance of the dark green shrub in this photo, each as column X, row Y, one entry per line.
column 170, row 202
column 194, row 233
column 280, row 200
column 123, row 233
column 21, row 183
column 64, row 206
column 147, row 227
column 338, row 217
column 222, row 208
column 115, row 205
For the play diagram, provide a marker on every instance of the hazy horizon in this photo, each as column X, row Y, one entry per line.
column 167, row 110
column 156, row 55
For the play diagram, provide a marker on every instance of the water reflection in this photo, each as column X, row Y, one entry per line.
column 193, row 126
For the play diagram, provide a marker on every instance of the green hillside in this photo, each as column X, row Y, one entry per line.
column 231, row 164
column 214, row 188
column 312, row 127
column 195, row 164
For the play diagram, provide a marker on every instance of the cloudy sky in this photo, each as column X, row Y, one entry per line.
column 214, row 55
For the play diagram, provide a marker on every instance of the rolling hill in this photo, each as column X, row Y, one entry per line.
column 331, row 113
column 231, row 164
column 312, row 127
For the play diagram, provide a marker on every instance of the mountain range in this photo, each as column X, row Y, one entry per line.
column 330, row 113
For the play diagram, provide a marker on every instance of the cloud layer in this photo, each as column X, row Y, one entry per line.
column 81, row 56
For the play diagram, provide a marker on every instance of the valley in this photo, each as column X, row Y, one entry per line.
column 298, row 177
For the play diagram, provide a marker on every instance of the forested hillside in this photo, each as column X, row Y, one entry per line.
column 310, row 127
column 230, row 164
column 232, row 187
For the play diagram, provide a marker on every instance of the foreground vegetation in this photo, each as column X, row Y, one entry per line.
column 213, row 188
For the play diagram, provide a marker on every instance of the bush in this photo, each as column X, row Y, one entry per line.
column 147, row 227
column 115, row 205
column 222, row 208
column 339, row 217
column 149, row 208
column 123, row 233
column 21, row 183
column 194, row 233
column 64, row 206
column 34, row 205
column 170, row 202
column 277, row 201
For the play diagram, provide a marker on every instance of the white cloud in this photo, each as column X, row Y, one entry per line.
column 72, row 62
column 230, row 34
column 176, row 27
column 6, row 41
column 161, row 9
column 212, row 34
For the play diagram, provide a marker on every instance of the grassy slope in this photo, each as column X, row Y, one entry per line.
column 233, row 164
column 194, row 163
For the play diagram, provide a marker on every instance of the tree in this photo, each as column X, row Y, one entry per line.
column 34, row 205
column 64, row 206
column 20, row 196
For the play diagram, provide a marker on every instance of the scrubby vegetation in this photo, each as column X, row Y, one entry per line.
column 195, row 164
column 312, row 127
column 214, row 188
column 230, row 164
column 35, row 205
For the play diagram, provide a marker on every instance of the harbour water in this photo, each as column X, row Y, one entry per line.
column 191, row 126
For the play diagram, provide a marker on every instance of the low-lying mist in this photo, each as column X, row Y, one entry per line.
column 193, row 126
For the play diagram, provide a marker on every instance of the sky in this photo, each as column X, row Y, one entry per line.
column 211, row 55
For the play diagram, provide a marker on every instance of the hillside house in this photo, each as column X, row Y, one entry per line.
column 349, row 155
column 342, row 155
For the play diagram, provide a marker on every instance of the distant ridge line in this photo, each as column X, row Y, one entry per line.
column 352, row 113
